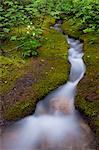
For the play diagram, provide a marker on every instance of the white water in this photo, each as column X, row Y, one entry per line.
column 55, row 124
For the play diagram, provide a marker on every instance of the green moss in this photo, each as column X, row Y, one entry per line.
column 88, row 108
column 21, row 30
column 89, row 85
column 10, row 71
column 51, row 77
column 55, row 45
column 12, row 63
column 53, row 57
column 96, row 122
column 47, row 22
column 71, row 29
column 20, row 109
column 54, row 76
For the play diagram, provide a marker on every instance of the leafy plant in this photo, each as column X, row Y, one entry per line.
column 31, row 41
column 86, row 10
column 12, row 13
column 30, row 48
column 15, row 13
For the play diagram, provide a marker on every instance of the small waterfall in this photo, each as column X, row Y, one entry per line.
column 55, row 125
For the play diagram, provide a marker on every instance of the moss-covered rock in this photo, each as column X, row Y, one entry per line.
column 48, row 71
column 71, row 28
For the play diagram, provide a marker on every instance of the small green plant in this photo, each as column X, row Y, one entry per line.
column 13, row 14
column 30, row 48
column 30, row 41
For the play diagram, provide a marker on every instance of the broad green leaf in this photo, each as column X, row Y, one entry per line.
column 6, row 30
column 13, row 38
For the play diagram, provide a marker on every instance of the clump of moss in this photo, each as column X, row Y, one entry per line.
column 88, row 108
column 51, row 77
column 71, row 29
column 55, row 45
column 54, row 76
column 20, row 109
column 47, row 22
column 9, row 72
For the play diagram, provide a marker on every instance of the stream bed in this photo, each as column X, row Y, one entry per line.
column 56, row 124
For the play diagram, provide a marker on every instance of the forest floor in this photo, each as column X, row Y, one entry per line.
column 26, row 81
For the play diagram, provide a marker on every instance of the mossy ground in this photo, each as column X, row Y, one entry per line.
column 45, row 73
column 71, row 28
column 87, row 100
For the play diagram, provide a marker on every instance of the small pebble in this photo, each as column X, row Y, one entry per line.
column 42, row 60
column 5, row 82
column 27, row 32
column 29, row 26
column 52, row 68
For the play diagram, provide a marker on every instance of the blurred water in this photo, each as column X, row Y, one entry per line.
column 55, row 125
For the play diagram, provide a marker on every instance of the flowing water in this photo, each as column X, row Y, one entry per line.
column 55, row 125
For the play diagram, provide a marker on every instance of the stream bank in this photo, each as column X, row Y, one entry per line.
column 87, row 101
column 55, row 115
column 49, row 75
column 24, row 84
